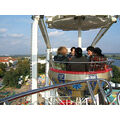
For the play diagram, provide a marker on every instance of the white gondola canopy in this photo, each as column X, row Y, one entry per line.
column 72, row 22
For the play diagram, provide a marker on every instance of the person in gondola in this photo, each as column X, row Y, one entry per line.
column 78, row 58
column 98, row 57
column 72, row 53
column 61, row 57
column 61, row 54
column 90, row 51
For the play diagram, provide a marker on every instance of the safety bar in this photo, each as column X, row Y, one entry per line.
column 82, row 62
column 91, row 66
column 30, row 92
column 109, row 62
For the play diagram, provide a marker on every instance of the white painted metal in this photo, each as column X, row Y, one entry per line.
column 86, row 101
column 44, row 32
column 34, row 57
column 79, row 33
column 47, row 93
column 79, row 38
column 97, row 98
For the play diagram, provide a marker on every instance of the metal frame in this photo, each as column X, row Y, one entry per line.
column 34, row 53
column 31, row 92
column 100, row 35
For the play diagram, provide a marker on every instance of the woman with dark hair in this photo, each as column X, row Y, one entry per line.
column 90, row 51
column 98, row 57
column 72, row 53
column 78, row 58
column 97, row 51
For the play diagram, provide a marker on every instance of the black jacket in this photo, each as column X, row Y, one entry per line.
column 81, row 67
column 61, row 58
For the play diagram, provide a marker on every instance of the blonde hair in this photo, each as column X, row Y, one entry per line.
column 62, row 50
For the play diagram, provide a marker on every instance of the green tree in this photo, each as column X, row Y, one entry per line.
column 23, row 67
column 41, row 68
column 11, row 78
column 1, row 73
column 2, row 69
column 116, row 74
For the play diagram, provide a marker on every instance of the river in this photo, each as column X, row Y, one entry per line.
column 116, row 62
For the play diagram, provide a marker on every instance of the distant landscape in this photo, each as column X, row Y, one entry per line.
column 110, row 55
column 113, row 55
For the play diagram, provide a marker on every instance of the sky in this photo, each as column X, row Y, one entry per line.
column 15, row 37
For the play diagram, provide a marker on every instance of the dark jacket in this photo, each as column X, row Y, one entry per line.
column 61, row 58
column 82, row 67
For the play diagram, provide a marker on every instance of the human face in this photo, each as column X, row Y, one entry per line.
column 73, row 52
column 64, row 51
column 90, row 52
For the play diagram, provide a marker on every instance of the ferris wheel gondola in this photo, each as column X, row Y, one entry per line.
column 79, row 23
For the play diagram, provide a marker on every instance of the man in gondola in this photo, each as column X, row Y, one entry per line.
column 79, row 59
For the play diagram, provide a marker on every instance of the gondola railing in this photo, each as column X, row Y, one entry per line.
column 30, row 92
column 91, row 66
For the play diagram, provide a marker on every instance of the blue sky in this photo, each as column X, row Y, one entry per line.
column 15, row 37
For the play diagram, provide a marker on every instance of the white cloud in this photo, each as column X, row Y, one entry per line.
column 56, row 33
column 3, row 35
column 2, row 30
column 16, row 35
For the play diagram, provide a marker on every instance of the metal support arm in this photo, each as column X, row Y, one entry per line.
column 44, row 32
column 100, row 35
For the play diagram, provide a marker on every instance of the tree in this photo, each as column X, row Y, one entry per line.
column 41, row 68
column 1, row 73
column 11, row 78
column 2, row 69
column 116, row 74
column 23, row 67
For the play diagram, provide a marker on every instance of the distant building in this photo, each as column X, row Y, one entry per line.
column 42, row 61
column 8, row 60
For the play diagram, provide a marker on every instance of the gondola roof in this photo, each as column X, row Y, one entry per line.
column 87, row 22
